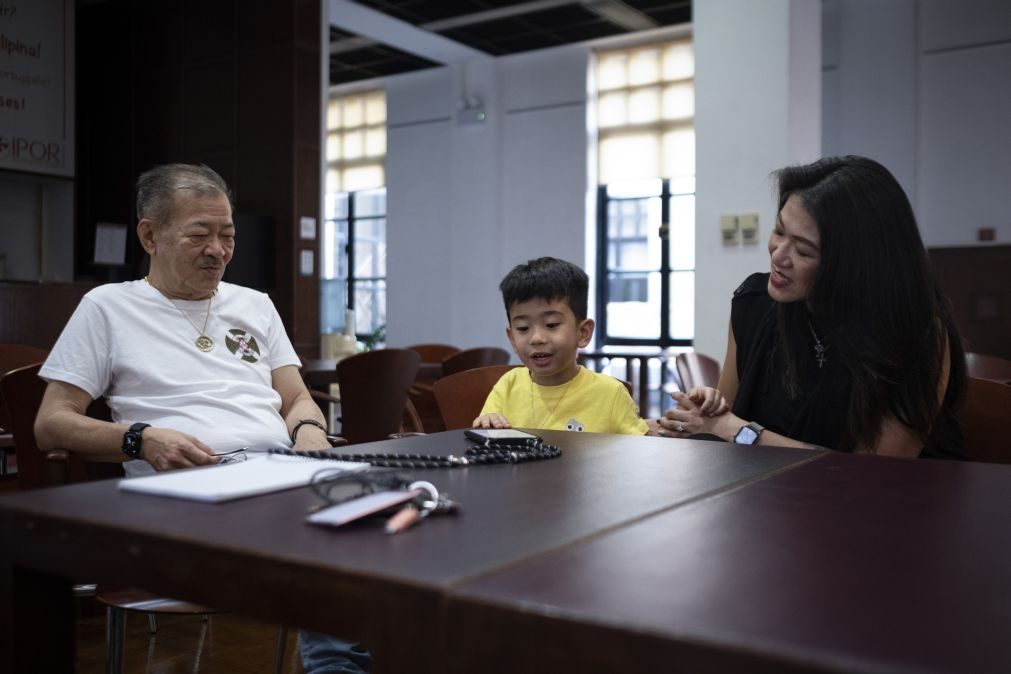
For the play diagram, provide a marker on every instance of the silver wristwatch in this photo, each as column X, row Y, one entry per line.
column 749, row 433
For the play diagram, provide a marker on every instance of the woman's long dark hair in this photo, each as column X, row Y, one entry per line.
column 875, row 299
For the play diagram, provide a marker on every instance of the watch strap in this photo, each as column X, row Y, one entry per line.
column 305, row 422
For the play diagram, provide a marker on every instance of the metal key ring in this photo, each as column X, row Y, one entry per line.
column 433, row 493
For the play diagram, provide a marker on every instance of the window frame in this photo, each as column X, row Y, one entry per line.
column 352, row 280
column 603, row 338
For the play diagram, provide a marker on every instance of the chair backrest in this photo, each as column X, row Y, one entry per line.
column 461, row 396
column 983, row 366
column 696, row 369
column 22, row 390
column 374, row 388
column 13, row 356
column 434, row 353
column 983, row 418
column 468, row 359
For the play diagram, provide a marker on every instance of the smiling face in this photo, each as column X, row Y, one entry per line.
column 794, row 251
column 189, row 253
column 546, row 336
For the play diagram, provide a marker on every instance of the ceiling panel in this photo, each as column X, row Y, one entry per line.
column 532, row 24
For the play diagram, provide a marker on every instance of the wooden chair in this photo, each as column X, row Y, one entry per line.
column 983, row 366
column 374, row 393
column 461, row 396
column 468, row 359
column 984, row 417
column 695, row 369
column 420, row 393
column 13, row 356
column 18, row 355
column 22, row 392
column 434, row 353
column 22, row 389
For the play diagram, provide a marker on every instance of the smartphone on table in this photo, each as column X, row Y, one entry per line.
column 497, row 436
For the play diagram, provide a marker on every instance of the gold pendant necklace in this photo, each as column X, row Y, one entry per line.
column 203, row 342
column 554, row 407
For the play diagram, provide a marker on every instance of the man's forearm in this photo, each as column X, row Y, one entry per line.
column 96, row 440
column 308, row 435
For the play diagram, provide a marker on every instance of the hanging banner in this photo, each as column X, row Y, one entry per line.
column 36, row 86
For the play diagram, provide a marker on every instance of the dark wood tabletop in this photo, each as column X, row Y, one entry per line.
column 255, row 556
column 848, row 563
column 624, row 554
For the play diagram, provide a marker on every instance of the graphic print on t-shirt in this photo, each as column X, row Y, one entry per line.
column 243, row 345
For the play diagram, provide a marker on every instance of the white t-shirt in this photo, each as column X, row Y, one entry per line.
column 128, row 343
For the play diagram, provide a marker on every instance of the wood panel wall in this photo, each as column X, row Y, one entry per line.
column 231, row 84
column 977, row 281
column 35, row 313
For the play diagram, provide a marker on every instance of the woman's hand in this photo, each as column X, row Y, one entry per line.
column 689, row 416
column 710, row 401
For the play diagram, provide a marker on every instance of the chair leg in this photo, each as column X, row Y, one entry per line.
column 282, row 643
column 152, row 624
column 115, row 633
column 200, row 646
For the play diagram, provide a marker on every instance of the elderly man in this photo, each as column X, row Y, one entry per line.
column 190, row 367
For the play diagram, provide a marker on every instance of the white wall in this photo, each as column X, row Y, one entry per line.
column 924, row 86
column 757, row 109
column 466, row 203
column 870, row 93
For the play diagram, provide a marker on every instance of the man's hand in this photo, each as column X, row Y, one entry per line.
column 166, row 449
column 491, row 420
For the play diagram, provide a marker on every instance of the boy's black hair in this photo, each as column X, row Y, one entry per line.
column 546, row 278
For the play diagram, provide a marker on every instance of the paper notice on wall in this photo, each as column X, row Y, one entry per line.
column 110, row 243
column 307, row 263
column 36, row 86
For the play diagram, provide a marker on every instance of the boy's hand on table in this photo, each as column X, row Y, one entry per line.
column 491, row 420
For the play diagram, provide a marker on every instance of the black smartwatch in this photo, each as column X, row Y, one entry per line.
column 132, row 440
column 749, row 433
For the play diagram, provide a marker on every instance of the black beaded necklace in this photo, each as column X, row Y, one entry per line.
column 519, row 451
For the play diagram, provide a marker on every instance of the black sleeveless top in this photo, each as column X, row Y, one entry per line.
column 817, row 413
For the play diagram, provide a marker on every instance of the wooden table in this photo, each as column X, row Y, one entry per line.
column 623, row 554
column 847, row 563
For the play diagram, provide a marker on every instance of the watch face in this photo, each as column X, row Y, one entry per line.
column 131, row 444
column 746, row 436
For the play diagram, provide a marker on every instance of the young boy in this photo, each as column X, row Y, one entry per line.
column 545, row 301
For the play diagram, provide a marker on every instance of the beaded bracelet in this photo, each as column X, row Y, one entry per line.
column 304, row 422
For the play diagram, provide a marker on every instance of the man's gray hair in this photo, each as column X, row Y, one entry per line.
column 156, row 189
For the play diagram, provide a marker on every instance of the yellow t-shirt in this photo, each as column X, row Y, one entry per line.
column 591, row 402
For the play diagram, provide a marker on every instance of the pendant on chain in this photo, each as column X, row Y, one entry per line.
column 819, row 354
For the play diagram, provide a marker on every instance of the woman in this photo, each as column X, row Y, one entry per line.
column 847, row 342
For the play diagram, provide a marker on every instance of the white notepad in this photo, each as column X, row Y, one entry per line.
column 257, row 475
